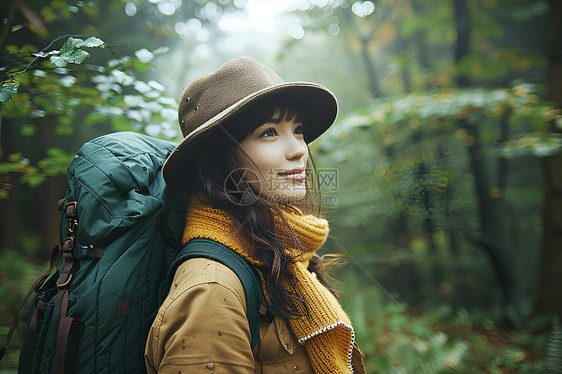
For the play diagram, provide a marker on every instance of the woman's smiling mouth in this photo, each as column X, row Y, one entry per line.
column 294, row 174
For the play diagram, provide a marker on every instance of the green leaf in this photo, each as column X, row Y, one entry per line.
column 56, row 162
column 134, row 101
column 59, row 61
column 9, row 167
column 28, row 129
column 125, row 62
column 44, row 54
column 48, row 14
column 7, row 91
column 121, row 124
column 161, row 51
column 32, row 179
column 140, row 66
column 89, row 8
column 75, row 57
column 95, row 117
column 144, row 55
column 71, row 52
column 78, row 56
column 70, row 46
column 92, row 42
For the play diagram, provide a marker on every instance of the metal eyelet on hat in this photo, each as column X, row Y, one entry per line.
column 187, row 99
column 182, row 122
column 196, row 108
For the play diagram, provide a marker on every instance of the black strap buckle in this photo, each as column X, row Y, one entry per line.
column 267, row 312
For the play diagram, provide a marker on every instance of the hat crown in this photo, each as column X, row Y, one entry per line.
column 216, row 92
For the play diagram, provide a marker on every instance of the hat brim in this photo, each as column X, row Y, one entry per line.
column 317, row 102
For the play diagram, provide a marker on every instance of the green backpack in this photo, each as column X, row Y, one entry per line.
column 120, row 248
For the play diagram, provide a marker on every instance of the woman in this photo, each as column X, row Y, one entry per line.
column 244, row 168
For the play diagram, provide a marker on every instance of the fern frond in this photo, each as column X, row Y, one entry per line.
column 553, row 359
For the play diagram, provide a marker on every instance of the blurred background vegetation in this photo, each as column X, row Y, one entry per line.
column 447, row 196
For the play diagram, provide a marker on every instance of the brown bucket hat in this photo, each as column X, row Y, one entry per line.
column 235, row 87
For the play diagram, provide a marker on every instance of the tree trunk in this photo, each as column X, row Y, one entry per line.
column 372, row 79
column 50, row 192
column 373, row 82
column 418, row 40
column 8, row 225
column 550, row 282
column 462, row 46
column 499, row 232
column 497, row 228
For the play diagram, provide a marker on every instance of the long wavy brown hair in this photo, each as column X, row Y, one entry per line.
column 209, row 178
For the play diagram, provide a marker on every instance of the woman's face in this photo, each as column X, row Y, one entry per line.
column 279, row 154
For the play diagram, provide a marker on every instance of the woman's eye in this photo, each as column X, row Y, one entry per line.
column 298, row 130
column 269, row 132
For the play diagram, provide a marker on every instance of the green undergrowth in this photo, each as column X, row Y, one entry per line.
column 445, row 338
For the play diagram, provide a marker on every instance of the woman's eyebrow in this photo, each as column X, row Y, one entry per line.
column 277, row 120
column 274, row 120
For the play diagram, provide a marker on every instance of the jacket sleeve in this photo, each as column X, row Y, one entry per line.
column 202, row 326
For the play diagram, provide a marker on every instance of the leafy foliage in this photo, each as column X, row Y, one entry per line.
column 443, row 339
column 71, row 84
column 72, row 51
column 94, row 95
column 397, row 135
column 405, row 46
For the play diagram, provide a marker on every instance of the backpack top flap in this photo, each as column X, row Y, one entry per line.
column 117, row 181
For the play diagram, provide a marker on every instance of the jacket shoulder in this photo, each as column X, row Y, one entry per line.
column 196, row 272
column 206, row 300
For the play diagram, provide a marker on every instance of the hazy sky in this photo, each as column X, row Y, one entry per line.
column 263, row 19
column 261, row 15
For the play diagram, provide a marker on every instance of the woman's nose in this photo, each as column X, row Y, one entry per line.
column 296, row 148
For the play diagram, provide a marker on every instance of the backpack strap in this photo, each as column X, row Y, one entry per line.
column 206, row 248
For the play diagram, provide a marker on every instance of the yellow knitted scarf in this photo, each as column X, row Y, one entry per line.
column 325, row 330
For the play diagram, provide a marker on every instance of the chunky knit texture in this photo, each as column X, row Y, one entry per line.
column 325, row 330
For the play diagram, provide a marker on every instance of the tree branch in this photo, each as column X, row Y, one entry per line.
column 8, row 22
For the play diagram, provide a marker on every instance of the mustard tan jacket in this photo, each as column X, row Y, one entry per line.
column 202, row 328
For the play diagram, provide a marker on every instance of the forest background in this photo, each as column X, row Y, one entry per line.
column 441, row 178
